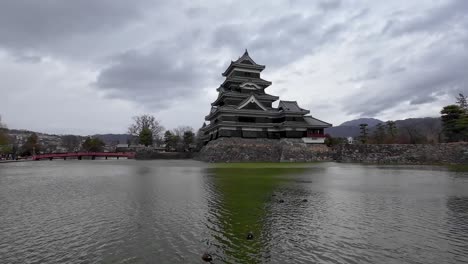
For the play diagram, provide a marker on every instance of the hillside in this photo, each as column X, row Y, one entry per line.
column 356, row 122
column 429, row 127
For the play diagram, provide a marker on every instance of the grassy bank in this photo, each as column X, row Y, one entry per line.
column 459, row 168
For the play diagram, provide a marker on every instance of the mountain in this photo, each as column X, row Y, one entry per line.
column 343, row 131
column 427, row 127
column 351, row 128
column 371, row 122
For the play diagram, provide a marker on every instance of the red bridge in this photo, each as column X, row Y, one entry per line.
column 79, row 155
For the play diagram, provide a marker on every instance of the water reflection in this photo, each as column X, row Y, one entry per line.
column 242, row 204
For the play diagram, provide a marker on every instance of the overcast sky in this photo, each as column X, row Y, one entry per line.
column 88, row 66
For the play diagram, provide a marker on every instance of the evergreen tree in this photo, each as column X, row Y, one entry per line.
column 189, row 138
column 391, row 131
column 364, row 133
column 380, row 133
column 462, row 127
column 451, row 124
column 462, row 102
column 146, row 137
column 170, row 140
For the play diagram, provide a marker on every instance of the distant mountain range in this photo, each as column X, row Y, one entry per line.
column 426, row 125
column 356, row 122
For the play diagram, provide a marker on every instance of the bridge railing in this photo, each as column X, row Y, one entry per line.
column 129, row 155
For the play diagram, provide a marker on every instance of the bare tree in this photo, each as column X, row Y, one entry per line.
column 179, row 131
column 146, row 122
column 71, row 143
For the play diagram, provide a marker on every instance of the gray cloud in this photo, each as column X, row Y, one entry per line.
column 329, row 4
column 451, row 14
column 161, row 53
column 155, row 78
column 280, row 40
column 441, row 70
column 47, row 25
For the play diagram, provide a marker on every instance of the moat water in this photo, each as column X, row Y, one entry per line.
column 126, row 211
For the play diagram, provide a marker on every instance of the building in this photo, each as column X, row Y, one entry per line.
column 244, row 109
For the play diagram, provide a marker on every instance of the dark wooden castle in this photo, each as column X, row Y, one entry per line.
column 244, row 109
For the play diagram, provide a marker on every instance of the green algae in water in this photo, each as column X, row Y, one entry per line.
column 260, row 165
column 245, row 191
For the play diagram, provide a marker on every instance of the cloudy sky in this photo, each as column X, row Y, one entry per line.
column 88, row 66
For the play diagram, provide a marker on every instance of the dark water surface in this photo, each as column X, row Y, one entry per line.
column 174, row 211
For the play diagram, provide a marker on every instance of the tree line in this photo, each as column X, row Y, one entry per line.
column 451, row 127
column 147, row 130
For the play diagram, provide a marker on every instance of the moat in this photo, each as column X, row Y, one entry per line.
column 128, row 211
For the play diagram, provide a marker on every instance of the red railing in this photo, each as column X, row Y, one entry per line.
column 129, row 155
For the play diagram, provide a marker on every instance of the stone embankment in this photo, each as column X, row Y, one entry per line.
column 444, row 153
column 150, row 154
column 294, row 150
column 262, row 150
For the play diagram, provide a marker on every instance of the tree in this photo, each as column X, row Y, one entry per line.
column 331, row 141
column 189, row 138
column 462, row 102
column 93, row 145
column 391, row 131
column 179, row 131
column 146, row 137
column 451, row 126
column 462, row 127
column 71, row 143
column 148, row 122
column 1, row 124
column 364, row 133
column 380, row 134
column 4, row 140
column 31, row 146
column 169, row 140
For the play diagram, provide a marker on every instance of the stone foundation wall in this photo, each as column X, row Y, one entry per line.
column 445, row 153
column 294, row 150
column 153, row 154
column 262, row 150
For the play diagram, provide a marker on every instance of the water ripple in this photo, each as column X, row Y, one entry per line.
column 173, row 212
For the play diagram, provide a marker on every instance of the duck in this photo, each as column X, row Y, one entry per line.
column 207, row 257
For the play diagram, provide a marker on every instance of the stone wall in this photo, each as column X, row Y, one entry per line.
column 445, row 153
column 294, row 150
column 262, row 150
column 148, row 154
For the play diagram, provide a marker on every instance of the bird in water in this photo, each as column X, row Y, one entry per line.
column 207, row 257
column 250, row 236
column 281, row 201
column 304, row 201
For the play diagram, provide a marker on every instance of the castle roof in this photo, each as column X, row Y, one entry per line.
column 245, row 61
column 316, row 122
column 290, row 106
